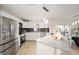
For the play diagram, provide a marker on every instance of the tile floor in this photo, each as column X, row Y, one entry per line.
column 37, row 48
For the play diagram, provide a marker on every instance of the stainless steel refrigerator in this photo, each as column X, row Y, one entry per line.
column 8, row 42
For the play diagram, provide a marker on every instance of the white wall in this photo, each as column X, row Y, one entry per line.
column 29, row 25
column 33, row 24
column 43, row 25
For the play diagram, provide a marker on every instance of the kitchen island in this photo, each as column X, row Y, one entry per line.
column 50, row 41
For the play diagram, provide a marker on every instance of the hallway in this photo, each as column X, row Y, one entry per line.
column 37, row 48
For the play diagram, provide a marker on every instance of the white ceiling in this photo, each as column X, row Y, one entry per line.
column 59, row 13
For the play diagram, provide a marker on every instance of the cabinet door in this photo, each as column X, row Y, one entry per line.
column 10, row 51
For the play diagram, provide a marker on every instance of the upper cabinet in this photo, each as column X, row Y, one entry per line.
column 34, row 25
column 28, row 25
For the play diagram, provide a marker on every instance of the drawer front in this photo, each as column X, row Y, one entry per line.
column 10, row 51
column 7, row 45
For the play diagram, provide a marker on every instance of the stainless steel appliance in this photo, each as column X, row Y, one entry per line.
column 8, row 42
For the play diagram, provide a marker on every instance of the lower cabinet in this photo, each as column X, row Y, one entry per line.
column 32, row 35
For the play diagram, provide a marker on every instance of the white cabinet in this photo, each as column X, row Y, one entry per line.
column 32, row 35
column 29, row 25
column 34, row 24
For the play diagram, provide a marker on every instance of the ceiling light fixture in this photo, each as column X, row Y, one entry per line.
column 45, row 20
column 45, row 9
